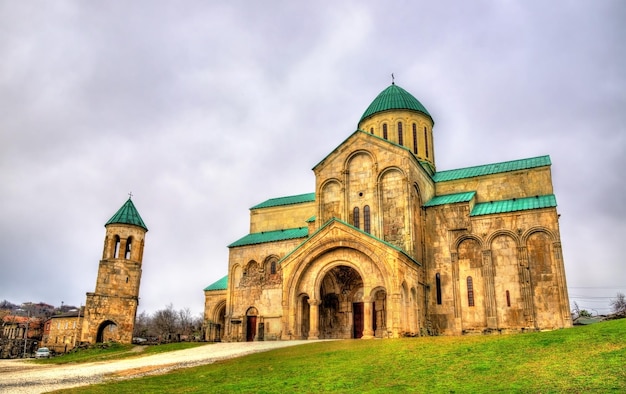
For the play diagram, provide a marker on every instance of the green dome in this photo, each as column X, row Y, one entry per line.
column 127, row 214
column 394, row 97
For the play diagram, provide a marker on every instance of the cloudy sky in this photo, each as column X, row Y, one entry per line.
column 203, row 109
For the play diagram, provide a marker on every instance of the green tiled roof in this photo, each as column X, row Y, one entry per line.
column 494, row 168
column 516, row 204
column 271, row 236
column 127, row 214
column 394, row 97
column 275, row 202
column 450, row 199
column 221, row 284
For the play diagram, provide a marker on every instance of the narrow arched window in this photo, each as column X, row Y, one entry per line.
column 116, row 252
column 366, row 218
column 508, row 298
column 414, row 138
column 371, row 130
column 129, row 242
column 438, row 287
column 426, row 140
column 400, row 137
column 356, row 219
column 470, row 291
column 385, row 130
column 273, row 268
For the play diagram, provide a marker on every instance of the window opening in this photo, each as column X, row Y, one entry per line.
column 356, row 218
column 273, row 268
column 116, row 252
column 470, row 291
column 371, row 130
column 508, row 298
column 426, row 141
column 438, row 287
column 414, row 138
column 385, row 130
column 366, row 218
column 400, row 139
column 129, row 242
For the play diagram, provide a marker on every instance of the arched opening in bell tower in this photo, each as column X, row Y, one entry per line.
column 107, row 331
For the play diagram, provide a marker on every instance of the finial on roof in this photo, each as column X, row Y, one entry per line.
column 130, row 195
column 392, row 79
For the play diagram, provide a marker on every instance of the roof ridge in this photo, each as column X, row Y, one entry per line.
column 492, row 168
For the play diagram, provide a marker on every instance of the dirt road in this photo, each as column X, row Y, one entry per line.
column 17, row 376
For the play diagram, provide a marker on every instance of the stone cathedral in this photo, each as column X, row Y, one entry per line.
column 388, row 246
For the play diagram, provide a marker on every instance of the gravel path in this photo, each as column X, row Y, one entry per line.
column 17, row 376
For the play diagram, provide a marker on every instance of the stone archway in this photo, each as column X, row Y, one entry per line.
column 341, row 312
column 251, row 324
column 107, row 331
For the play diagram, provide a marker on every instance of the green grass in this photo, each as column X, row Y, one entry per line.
column 114, row 351
column 577, row 360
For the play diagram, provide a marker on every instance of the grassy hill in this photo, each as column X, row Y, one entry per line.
column 577, row 360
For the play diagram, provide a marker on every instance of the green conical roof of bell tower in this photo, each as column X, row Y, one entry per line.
column 394, row 97
column 127, row 214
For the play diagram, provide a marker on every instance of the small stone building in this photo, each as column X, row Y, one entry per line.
column 387, row 245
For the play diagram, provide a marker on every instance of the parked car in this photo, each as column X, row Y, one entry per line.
column 42, row 352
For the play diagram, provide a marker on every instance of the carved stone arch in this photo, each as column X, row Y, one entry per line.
column 321, row 274
column 107, row 331
column 500, row 232
column 270, row 264
column 218, row 310
column 330, row 200
column 393, row 207
column 328, row 181
column 457, row 242
column 236, row 276
column 537, row 229
column 386, row 170
column 321, row 249
column 358, row 152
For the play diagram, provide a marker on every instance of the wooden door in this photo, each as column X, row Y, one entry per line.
column 357, row 315
column 250, row 328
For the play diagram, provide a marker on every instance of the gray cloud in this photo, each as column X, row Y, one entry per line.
column 204, row 109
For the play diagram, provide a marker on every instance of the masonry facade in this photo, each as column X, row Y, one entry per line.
column 110, row 310
column 387, row 246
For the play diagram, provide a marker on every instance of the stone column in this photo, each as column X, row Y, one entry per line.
column 368, row 332
column 396, row 310
column 314, row 319
column 490, row 291
column 525, row 285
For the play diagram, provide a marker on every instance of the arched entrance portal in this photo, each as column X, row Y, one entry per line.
column 251, row 317
column 341, row 312
column 107, row 332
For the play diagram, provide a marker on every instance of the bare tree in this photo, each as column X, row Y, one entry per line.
column 619, row 304
column 142, row 325
column 186, row 321
column 165, row 321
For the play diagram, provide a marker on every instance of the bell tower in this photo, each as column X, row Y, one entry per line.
column 111, row 309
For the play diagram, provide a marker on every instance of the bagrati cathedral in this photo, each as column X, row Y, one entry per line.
column 388, row 246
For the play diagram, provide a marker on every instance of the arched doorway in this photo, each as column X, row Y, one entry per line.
column 341, row 311
column 107, row 332
column 251, row 324
column 215, row 326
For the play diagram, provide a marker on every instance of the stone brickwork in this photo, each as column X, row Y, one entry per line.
column 111, row 309
column 380, row 260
